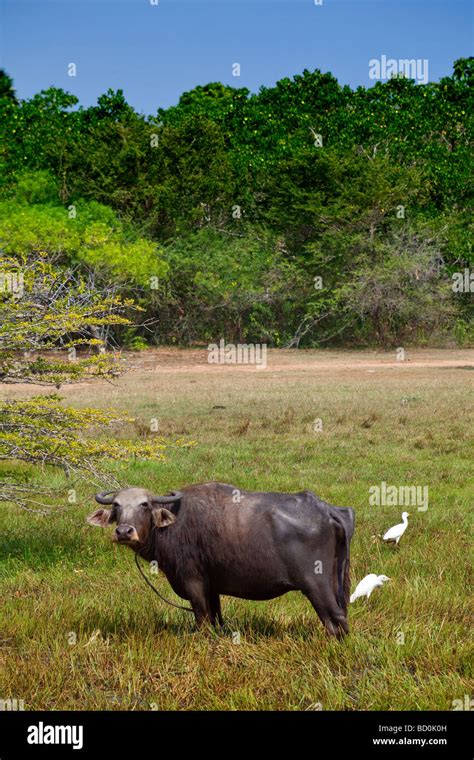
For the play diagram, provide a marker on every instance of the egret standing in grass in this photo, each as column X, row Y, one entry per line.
column 393, row 535
column 367, row 585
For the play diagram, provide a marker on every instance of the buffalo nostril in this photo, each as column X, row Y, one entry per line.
column 124, row 531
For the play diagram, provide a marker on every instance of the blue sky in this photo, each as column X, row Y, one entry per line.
column 155, row 52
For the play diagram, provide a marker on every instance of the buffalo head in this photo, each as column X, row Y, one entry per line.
column 136, row 513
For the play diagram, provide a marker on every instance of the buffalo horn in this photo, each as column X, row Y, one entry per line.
column 104, row 497
column 175, row 496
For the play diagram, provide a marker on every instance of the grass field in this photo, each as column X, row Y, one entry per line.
column 80, row 630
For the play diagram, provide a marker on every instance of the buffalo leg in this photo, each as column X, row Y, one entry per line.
column 200, row 603
column 331, row 615
column 216, row 610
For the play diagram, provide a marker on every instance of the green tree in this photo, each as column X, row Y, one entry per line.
column 7, row 89
column 44, row 310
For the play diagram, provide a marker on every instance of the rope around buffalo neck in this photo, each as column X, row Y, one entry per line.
column 178, row 606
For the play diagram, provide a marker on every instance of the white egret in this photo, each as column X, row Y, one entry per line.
column 394, row 534
column 367, row 585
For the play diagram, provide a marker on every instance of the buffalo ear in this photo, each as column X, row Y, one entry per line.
column 101, row 517
column 163, row 517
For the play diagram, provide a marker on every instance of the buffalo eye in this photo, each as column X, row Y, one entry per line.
column 145, row 504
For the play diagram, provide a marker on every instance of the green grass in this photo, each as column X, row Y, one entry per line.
column 80, row 630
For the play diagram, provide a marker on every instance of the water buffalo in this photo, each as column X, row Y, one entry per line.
column 213, row 539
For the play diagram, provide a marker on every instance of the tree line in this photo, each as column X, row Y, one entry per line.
column 306, row 214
